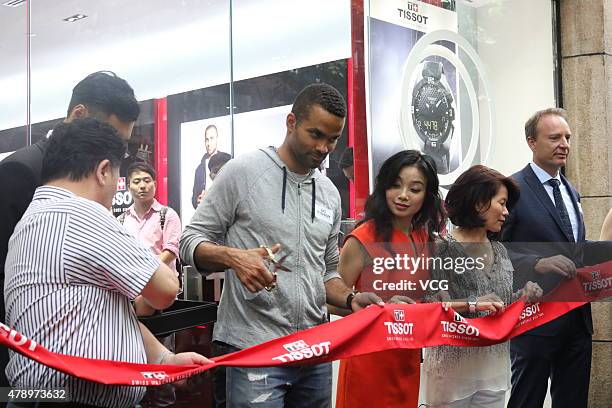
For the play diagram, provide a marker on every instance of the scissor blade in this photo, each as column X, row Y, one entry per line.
column 279, row 264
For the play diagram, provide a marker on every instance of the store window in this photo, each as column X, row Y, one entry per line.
column 230, row 64
column 239, row 63
column 456, row 79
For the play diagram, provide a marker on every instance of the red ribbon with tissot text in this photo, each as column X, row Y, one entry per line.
column 373, row 329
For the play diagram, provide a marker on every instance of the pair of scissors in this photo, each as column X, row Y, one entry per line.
column 278, row 265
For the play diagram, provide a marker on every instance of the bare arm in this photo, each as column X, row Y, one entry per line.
column 171, row 234
column 350, row 266
column 153, row 347
column 142, row 308
column 167, row 257
column 337, row 293
column 162, row 288
column 352, row 261
column 606, row 228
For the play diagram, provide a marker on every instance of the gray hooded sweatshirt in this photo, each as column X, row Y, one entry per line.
column 255, row 200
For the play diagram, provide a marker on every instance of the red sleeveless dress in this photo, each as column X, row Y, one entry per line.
column 389, row 378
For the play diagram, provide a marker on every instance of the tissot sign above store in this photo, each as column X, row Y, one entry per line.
column 411, row 13
column 421, row 95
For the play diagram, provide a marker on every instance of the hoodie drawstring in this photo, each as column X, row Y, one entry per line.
column 284, row 188
column 314, row 200
column 314, row 195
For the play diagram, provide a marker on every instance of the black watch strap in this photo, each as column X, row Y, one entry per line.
column 433, row 69
column 349, row 300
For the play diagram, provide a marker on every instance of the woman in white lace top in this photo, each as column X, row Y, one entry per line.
column 477, row 204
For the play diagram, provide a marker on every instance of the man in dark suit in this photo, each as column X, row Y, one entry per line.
column 549, row 217
column 202, row 179
column 101, row 95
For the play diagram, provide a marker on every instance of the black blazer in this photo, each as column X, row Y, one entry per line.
column 19, row 178
column 535, row 220
column 199, row 178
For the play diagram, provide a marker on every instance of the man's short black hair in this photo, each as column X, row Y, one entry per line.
column 104, row 92
column 326, row 96
column 141, row 166
column 75, row 149
column 346, row 159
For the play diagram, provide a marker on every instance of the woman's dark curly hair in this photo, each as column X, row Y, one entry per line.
column 431, row 216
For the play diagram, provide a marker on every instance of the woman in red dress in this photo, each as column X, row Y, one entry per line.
column 403, row 215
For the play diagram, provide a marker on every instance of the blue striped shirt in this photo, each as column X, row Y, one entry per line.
column 71, row 271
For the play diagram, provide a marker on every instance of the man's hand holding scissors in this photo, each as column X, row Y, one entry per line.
column 251, row 269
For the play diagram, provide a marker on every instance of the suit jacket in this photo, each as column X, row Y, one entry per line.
column 199, row 178
column 19, row 178
column 535, row 220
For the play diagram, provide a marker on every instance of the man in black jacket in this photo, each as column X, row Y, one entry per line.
column 201, row 178
column 101, row 95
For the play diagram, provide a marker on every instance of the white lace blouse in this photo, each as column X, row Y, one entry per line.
column 453, row 373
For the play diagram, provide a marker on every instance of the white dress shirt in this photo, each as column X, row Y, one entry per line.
column 543, row 176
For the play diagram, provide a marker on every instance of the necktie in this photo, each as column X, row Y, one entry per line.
column 565, row 220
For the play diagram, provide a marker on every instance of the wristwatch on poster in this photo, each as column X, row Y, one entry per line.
column 472, row 302
column 433, row 113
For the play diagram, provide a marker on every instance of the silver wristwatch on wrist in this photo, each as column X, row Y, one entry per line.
column 472, row 302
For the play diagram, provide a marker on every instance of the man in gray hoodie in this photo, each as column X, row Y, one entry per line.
column 277, row 198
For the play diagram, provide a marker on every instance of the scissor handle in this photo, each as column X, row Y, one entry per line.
column 277, row 264
column 273, row 284
column 270, row 253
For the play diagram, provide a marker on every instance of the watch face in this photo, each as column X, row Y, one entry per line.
column 432, row 112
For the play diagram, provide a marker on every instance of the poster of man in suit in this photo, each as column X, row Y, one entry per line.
column 201, row 178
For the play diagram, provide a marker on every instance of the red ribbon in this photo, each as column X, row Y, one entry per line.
column 373, row 329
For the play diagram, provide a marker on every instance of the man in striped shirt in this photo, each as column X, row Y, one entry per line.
column 72, row 269
column 101, row 95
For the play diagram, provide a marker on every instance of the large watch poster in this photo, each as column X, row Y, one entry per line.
column 419, row 93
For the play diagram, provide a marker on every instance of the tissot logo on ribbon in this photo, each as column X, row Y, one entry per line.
column 597, row 283
column 300, row 350
column 459, row 327
column 531, row 311
column 399, row 327
column 370, row 330
column 154, row 375
column 295, row 346
column 16, row 338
